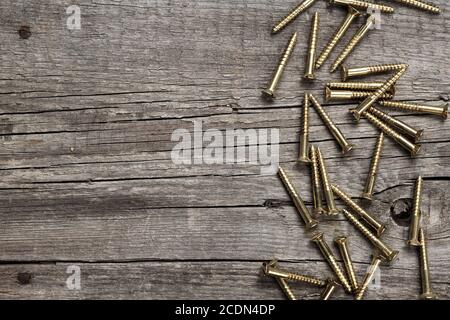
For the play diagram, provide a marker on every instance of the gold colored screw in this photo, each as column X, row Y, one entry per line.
column 421, row 5
column 364, row 5
column 347, row 73
column 326, row 252
column 292, row 15
column 377, row 226
column 427, row 293
column 329, row 289
column 343, row 249
column 298, row 202
column 413, row 239
column 401, row 126
column 375, row 163
column 339, row 95
column 270, row 269
column 387, row 252
column 269, row 93
column 315, row 181
column 329, row 198
column 351, row 16
column 405, row 143
column 311, row 57
column 374, row 265
column 359, row 35
column 369, row 101
column 286, row 289
column 369, row 86
column 334, row 130
column 439, row 111
column 304, row 132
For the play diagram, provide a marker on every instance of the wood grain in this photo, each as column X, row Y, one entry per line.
column 87, row 179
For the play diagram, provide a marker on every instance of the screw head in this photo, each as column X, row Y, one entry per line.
column 415, row 150
column 445, row 112
column 340, row 239
column 317, row 237
column 268, row 94
column 428, row 296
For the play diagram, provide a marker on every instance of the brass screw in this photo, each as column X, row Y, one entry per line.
column 347, row 73
column 329, row 289
column 298, row 202
column 351, row 16
column 377, row 226
column 401, row 126
column 369, row 101
column 286, row 289
column 315, row 181
column 329, row 198
column 387, row 252
column 427, row 293
column 405, row 143
column 369, row 86
column 413, row 239
column 364, row 5
column 343, row 249
column 270, row 269
column 294, row 13
column 269, row 93
column 375, row 163
column 421, row 5
column 311, row 57
column 359, row 35
column 334, row 130
column 374, row 265
column 304, row 132
column 439, row 111
column 326, row 252
column 339, row 95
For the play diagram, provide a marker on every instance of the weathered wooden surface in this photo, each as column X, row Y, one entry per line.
column 86, row 175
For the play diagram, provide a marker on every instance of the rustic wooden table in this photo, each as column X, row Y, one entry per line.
column 87, row 178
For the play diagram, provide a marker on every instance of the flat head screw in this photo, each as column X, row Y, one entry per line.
column 347, row 73
column 331, row 126
column 441, row 111
column 340, row 95
column 413, row 239
column 315, row 181
column 364, row 5
column 371, row 221
column 427, row 293
column 311, row 57
column 374, row 265
column 328, row 255
column 329, row 197
column 421, row 5
column 369, row 188
column 359, row 35
column 369, row 101
column 269, row 93
column 352, row 14
column 294, row 13
column 304, row 132
column 298, row 202
column 389, row 254
column 281, row 282
column 342, row 243
column 401, row 126
column 329, row 289
column 400, row 139
column 270, row 269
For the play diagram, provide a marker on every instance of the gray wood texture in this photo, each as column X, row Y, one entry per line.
column 86, row 176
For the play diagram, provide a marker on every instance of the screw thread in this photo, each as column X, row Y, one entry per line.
column 353, row 42
column 286, row 289
column 365, row 5
column 307, row 279
column 415, row 217
column 288, row 51
column 314, row 32
column 376, row 155
column 441, row 111
column 305, row 127
column 292, row 15
column 368, row 277
column 323, row 170
column 405, row 143
column 355, row 85
column 315, row 177
column 421, row 5
column 343, row 248
column 351, row 16
column 365, row 94
column 321, row 111
column 386, row 67
column 427, row 292
column 360, row 211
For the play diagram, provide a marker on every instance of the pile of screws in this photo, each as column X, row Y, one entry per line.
column 370, row 93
